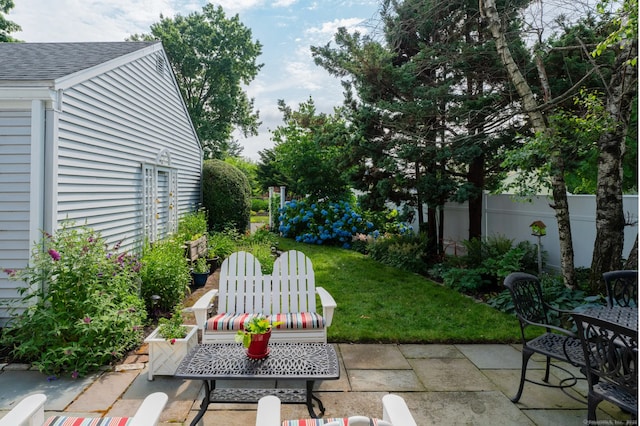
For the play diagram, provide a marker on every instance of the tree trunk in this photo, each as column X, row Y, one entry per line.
column 476, row 178
column 632, row 261
column 561, row 205
column 607, row 250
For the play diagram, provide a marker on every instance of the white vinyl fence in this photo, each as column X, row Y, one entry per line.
column 504, row 215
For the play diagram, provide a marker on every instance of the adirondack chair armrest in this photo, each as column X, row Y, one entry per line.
column 28, row 412
column 268, row 411
column 395, row 411
column 328, row 305
column 200, row 309
column 150, row 410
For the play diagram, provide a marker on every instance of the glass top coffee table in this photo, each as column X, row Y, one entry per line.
column 286, row 361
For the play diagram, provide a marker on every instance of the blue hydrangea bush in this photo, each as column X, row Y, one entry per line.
column 329, row 223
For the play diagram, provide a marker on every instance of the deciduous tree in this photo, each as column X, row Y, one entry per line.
column 212, row 56
column 6, row 26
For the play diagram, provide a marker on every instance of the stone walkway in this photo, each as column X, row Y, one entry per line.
column 442, row 384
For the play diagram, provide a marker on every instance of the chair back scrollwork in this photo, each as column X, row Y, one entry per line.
column 622, row 288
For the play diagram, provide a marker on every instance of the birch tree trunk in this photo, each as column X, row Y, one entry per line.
column 607, row 251
column 530, row 105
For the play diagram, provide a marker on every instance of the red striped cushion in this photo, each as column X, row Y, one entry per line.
column 315, row 422
column 228, row 321
column 298, row 320
column 86, row 421
column 321, row 422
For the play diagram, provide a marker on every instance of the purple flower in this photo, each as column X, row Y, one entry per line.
column 87, row 320
column 54, row 255
column 51, row 378
column 75, row 374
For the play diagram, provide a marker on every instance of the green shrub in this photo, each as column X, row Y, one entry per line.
column 402, row 251
column 333, row 223
column 223, row 243
column 259, row 205
column 488, row 262
column 226, row 195
column 465, row 280
column 164, row 273
column 87, row 314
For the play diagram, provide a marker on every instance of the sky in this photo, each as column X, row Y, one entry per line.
column 285, row 28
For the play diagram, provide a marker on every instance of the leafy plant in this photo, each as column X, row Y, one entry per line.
column 402, row 251
column 164, row 273
column 192, row 225
column 173, row 328
column 84, row 299
column 257, row 325
column 200, row 266
column 222, row 243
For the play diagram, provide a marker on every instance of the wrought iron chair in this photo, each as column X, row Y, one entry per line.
column 556, row 343
column 622, row 288
column 613, row 371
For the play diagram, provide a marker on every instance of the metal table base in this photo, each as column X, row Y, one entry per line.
column 286, row 361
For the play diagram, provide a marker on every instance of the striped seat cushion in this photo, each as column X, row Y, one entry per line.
column 337, row 421
column 315, row 422
column 298, row 320
column 87, row 421
column 228, row 321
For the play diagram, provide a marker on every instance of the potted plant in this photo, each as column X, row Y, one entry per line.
column 213, row 260
column 200, row 272
column 255, row 336
column 169, row 343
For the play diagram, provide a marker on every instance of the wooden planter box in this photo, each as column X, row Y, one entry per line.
column 197, row 248
column 164, row 357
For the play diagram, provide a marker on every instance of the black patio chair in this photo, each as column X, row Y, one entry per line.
column 622, row 288
column 556, row 343
column 613, row 372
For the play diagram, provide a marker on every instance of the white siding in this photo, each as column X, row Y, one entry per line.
column 108, row 126
column 15, row 181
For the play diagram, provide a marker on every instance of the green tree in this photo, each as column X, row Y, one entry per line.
column 249, row 168
column 307, row 153
column 7, row 27
column 430, row 108
column 212, row 56
column 621, row 97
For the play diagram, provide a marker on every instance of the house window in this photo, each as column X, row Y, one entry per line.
column 159, row 197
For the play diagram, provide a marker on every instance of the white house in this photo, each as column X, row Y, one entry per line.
column 96, row 133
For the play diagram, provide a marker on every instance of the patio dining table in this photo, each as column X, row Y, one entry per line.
column 621, row 315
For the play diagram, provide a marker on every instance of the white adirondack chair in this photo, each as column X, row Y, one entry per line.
column 394, row 413
column 30, row 412
column 287, row 296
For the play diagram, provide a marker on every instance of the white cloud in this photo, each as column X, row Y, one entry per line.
column 284, row 3
column 235, row 6
column 330, row 28
column 74, row 20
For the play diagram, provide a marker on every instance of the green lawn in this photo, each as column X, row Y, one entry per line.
column 379, row 303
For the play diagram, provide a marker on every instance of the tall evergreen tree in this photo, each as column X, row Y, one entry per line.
column 429, row 105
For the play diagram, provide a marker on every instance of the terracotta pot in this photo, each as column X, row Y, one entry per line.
column 258, row 348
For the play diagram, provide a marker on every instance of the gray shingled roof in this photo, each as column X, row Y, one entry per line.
column 49, row 61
